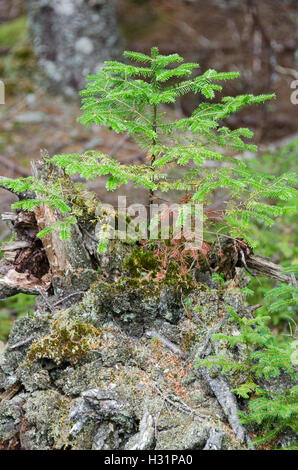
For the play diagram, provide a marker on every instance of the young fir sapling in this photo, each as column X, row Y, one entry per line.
column 132, row 99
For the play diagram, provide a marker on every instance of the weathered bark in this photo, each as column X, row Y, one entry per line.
column 24, row 267
column 72, row 38
column 228, row 253
column 264, row 267
column 31, row 265
column 68, row 259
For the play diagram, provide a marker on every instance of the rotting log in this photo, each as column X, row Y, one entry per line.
column 24, row 266
column 61, row 270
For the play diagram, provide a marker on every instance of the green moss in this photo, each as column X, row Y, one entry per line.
column 13, row 32
column 144, row 264
column 69, row 341
column 140, row 262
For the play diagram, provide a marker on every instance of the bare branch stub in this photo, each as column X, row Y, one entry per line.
column 229, row 253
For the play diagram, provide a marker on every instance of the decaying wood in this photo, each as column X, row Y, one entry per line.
column 24, row 266
column 15, row 245
column 264, row 267
column 64, row 256
column 31, row 265
column 228, row 253
column 13, row 283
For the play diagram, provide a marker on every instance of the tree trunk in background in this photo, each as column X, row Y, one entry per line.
column 11, row 9
column 72, row 38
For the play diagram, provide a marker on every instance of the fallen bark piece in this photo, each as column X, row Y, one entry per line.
column 14, row 282
column 264, row 267
column 214, row 441
column 15, row 245
column 228, row 403
column 145, row 438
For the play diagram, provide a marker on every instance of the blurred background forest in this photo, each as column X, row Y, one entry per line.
column 47, row 48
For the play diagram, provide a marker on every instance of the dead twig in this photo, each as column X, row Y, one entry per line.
column 80, row 292
column 50, row 306
column 167, row 343
column 177, row 403
column 265, row 267
column 21, row 343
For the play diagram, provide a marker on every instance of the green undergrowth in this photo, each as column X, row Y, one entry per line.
column 20, row 304
column 278, row 243
column 17, row 63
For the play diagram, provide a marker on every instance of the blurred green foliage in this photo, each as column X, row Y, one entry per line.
column 13, row 32
column 13, row 307
column 17, row 61
column 278, row 242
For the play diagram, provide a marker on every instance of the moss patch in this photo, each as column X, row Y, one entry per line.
column 144, row 266
column 140, row 262
column 69, row 341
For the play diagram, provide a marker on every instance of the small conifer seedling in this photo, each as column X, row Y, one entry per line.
column 264, row 357
column 132, row 98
